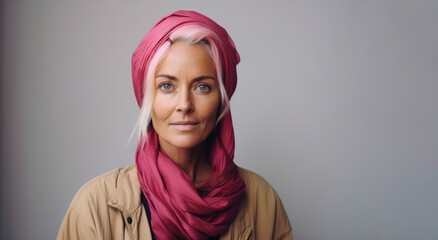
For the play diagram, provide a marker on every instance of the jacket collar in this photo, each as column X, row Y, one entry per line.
column 127, row 196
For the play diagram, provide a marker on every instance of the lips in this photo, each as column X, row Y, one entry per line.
column 184, row 125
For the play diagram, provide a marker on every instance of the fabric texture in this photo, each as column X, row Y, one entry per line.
column 109, row 207
column 177, row 208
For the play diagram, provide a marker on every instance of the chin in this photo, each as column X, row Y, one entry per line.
column 185, row 142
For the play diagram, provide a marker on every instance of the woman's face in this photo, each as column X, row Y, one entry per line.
column 186, row 97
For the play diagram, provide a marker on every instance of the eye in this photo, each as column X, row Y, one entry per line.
column 165, row 86
column 203, row 88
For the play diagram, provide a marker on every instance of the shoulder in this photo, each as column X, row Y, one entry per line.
column 118, row 189
column 251, row 177
column 95, row 209
column 256, row 184
column 264, row 209
column 103, row 187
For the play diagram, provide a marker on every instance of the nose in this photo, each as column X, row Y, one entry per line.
column 185, row 104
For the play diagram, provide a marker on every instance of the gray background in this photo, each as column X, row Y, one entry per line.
column 336, row 107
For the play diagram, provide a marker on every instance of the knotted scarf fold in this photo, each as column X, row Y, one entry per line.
column 178, row 210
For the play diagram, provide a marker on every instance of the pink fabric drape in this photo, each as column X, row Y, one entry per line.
column 178, row 210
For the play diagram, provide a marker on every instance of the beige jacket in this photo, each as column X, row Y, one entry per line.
column 109, row 207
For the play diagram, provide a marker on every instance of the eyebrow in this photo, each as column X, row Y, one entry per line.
column 197, row 79
column 200, row 78
column 166, row 76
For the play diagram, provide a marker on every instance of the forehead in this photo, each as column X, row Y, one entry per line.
column 189, row 58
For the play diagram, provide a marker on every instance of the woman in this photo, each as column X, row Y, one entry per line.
column 184, row 184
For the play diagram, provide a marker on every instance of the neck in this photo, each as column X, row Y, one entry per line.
column 192, row 161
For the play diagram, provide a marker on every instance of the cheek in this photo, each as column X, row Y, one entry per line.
column 210, row 110
column 161, row 109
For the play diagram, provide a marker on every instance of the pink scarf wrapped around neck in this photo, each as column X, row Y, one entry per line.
column 177, row 208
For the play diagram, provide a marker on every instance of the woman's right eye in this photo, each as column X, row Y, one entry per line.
column 165, row 87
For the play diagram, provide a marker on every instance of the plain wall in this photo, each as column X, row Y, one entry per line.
column 336, row 106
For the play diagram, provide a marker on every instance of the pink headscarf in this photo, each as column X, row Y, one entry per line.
column 177, row 208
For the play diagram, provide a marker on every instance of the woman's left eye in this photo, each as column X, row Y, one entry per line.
column 203, row 87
